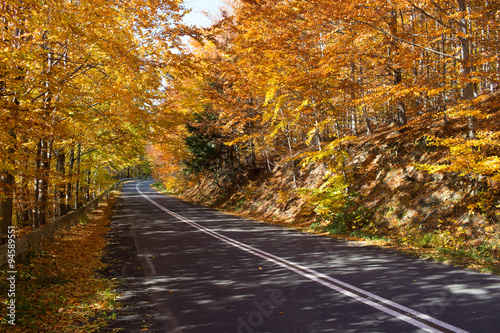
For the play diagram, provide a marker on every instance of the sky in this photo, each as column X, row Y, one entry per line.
column 196, row 17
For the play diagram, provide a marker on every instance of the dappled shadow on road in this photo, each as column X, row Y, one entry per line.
column 136, row 312
column 201, row 284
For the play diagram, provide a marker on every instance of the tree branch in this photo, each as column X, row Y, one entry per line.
column 423, row 12
column 407, row 42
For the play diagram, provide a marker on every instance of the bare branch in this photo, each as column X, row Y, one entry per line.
column 407, row 42
column 432, row 17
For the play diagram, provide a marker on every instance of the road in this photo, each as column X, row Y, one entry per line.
column 211, row 272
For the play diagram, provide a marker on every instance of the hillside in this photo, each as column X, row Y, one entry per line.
column 376, row 121
column 392, row 203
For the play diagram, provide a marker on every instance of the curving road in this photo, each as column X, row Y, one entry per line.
column 209, row 272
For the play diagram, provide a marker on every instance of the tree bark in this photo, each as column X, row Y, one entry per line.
column 69, row 187
column 78, row 199
column 6, row 201
column 400, row 107
column 252, row 156
column 293, row 163
column 353, row 121
column 61, row 170
column 369, row 127
column 397, row 73
column 45, row 157
column 87, row 187
column 468, row 89
column 232, row 168
column 36, row 197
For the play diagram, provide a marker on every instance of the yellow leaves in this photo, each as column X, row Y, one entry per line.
column 332, row 154
column 329, row 197
column 310, row 136
column 271, row 92
column 242, row 138
column 279, row 104
column 60, row 289
column 475, row 157
column 278, row 127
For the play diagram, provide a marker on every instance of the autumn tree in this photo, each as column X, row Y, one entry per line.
column 293, row 82
column 80, row 79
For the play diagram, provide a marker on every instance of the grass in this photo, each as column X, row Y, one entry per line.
column 469, row 258
column 158, row 186
column 57, row 290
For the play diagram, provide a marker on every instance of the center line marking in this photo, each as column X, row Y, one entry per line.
column 399, row 311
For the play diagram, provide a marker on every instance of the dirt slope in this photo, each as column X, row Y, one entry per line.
column 389, row 198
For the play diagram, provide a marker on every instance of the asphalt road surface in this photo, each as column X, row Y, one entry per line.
column 210, row 272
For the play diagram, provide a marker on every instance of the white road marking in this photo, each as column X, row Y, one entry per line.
column 151, row 266
column 399, row 311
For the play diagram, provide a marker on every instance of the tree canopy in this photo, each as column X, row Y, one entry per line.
column 293, row 82
column 86, row 85
column 80, row 87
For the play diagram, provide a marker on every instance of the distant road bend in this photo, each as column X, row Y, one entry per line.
column 212, row 272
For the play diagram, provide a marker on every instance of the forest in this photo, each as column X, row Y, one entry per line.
column 367, row 117
column 79, row 90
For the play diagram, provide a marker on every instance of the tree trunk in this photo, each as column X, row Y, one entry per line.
column 26, row 210
column 400, row 107
column 69, row 187
column 87, row 187
column 6, row 201
column 78, row 199
column 7, row 184
column 354, row 121
column 252, row 157
column 36, row 197
column 61, row 170
column 232, row 170
column 369, row 127
column 468, row 88
column 45, row 157
column 292, row 160
column 268, row 162
column 397, row 73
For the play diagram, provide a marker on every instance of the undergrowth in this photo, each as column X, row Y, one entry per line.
column 449, row 245
column 381, row 195
column 160, row 187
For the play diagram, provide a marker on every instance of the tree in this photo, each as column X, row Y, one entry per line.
column 79, row 81
column 298, row 80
